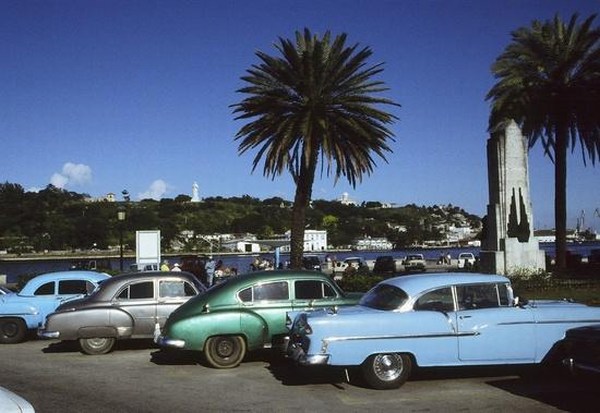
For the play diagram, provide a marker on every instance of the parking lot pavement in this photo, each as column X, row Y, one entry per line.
column 137, row 377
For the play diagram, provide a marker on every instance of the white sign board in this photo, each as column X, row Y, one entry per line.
column 147, row 251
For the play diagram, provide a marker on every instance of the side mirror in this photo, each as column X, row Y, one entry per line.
column 519, row 302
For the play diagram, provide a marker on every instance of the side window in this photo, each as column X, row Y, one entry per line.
column 245, row 295
column 477, row 296
column 138, row 291
column 271, row 291
column 175, row 289
column 45, row 289
column 89, row 287
column 72, row 287
column 311, row 289
column 437, row 300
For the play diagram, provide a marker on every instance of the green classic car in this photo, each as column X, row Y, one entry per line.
column 248, row 312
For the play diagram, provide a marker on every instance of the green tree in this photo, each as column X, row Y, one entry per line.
column 549, row 83
column 316, row 102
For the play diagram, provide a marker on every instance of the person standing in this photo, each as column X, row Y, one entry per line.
column 210, row 270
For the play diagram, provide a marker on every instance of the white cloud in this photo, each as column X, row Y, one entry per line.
column 72, row 174
column 156, row 191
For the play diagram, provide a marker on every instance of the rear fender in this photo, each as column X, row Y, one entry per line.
column 256, row 330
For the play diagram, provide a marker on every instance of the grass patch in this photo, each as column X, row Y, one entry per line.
column 586, row 293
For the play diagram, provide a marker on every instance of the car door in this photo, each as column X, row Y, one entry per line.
column 138, row 300
column 268, row 302
column 311, row 294
column 171, row 294
column 490, row 329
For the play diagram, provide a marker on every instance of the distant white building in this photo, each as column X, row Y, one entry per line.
column 345, row 199
column 365, row 244
column 314, row 240
column 455, row 234
column 241, row 245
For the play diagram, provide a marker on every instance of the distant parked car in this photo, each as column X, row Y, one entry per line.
column 430, row 320
column 248, row 312
column 348, row 264
column 127, row 306
column 311, row 262
column 414, row 262
column 466, row 260
column 582, row 348
column 39, row 297
column 385, row 264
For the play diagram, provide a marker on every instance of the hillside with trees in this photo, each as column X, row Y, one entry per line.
column 57, row 220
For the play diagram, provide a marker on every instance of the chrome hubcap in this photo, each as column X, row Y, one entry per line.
column 225, row 348
column 97, row 342
column 388, row 367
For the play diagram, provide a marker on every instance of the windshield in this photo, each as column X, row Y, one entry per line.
column 384, row 297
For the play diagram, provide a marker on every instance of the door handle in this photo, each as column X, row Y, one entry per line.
column 464, row 316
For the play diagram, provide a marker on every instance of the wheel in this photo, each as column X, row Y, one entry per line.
column 96, row 345
column 12, row 330
column 225, row 352
column 386, row 371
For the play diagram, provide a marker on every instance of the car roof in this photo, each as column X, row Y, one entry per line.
column 110, row 287
column 247, row 279
column 415, row 284
column 39, row 280
column 68, row 275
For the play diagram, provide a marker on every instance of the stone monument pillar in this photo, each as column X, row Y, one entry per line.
column 509, row 244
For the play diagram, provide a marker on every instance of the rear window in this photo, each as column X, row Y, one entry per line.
column 384, row 297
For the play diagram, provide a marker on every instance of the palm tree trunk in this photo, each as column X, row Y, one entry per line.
column 304, row 184
column 560, row 198
column 301, row 200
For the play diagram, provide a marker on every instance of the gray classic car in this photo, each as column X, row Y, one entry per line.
column 126, row 306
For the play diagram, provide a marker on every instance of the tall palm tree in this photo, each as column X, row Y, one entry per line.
column 314, row 103
column 549, row 82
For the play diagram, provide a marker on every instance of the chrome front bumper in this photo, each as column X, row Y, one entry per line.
column 164, row 341
column 574, row 366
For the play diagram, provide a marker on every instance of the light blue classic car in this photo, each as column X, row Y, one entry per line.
column 41, row 295
column 449, row 319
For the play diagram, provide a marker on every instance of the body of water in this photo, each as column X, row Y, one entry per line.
column 14, row 269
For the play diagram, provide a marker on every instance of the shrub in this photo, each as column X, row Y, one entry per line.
column 359, row 282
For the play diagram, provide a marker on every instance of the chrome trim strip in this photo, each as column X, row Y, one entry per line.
column 592, row 321
column 387, row 337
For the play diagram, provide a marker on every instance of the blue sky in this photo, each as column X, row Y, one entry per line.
column 101, row 96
